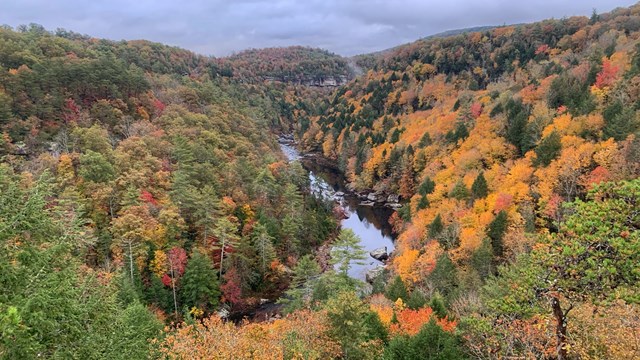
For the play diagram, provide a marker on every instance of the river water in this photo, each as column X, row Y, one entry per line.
column 370, row 223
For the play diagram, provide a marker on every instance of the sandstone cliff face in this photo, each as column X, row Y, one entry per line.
column 324, row 81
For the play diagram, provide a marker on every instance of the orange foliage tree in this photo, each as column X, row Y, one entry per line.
column 300, row 335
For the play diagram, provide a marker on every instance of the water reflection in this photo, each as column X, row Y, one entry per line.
column 369, row 223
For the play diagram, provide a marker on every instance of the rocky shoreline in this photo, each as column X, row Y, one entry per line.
column 367, row 197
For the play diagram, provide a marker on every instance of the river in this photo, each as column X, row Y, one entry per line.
column 370, row 223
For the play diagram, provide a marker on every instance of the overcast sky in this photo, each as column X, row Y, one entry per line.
column 347, row 27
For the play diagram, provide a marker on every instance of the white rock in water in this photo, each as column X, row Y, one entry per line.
column 380, row 254
column 372, row 274
column 393, row 198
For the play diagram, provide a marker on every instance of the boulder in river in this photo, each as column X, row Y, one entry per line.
column 372, row 197
column 367, row 203
column 393, row 198
column 372, row 274
column 380, row 254
column 339, row 194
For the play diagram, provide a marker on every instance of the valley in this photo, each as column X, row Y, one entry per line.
column 470, row 195
column 369, row 223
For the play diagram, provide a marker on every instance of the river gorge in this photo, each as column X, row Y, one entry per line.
column 370, row 222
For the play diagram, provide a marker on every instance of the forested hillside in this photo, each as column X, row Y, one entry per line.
column 145, row 204
column 136, row 188
column 510, row 148
column 295, row 64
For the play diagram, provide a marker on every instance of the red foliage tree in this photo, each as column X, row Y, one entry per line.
column 158, row 107
column 608, row 75
column 231, row 290
column 476, row 110
column 177, row 258
column 502, row 202
column 147, row 197
column 70, row 112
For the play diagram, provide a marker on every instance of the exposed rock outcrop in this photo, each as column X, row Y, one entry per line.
column 380, row 254
column 374, row 273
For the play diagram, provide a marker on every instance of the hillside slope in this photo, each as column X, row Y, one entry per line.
column 136, row 187
column 294, row 65
column 489, row 137
column 144, row 200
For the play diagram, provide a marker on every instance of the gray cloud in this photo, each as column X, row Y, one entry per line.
column 347, row 27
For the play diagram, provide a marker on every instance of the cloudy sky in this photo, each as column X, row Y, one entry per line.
column 347, row 27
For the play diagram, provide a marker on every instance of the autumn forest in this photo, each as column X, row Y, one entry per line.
column 147, row 210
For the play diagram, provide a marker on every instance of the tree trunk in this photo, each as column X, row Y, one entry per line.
column 221, row 256
column 131, row 261
column 173, row 287
column 561, row 328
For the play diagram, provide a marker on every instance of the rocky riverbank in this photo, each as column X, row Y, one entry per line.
column 367, row 197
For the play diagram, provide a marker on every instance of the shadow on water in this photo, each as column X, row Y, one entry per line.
column 370, row 223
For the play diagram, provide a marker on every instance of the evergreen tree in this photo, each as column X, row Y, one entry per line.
column 263, row 245
column 436, row 303
column 300, row 291
column 158, row 294
column 199, row 284
column 436, row 227
column 619, row 121
column 479, row 188
column 427, row 186
column 548, row 149
column 376, row 330
column 397, row 290
column 50, row 306
column 517, row 119
column 459, row 133
column 482, row 259
column 423, row 203
column 425, row 140
column 95, row 167
column 352, row 324
column 495, row 232
column 346, row 250
column 444, row 277
column 460, row 191
column 207, row 210
column 132, row 330
column 416, row 300
column 225, row 231
column 431, row 343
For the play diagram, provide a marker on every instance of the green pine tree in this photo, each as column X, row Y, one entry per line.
column 199, row 284
column 423, row 203
column 300, row 292
column 496, row 230
column 460, row 191
column 263, row 245
column 346, row 250
column 479, row 188
column 397, row 290
column 548, row 149
column 436, row 227
column 444, row 277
